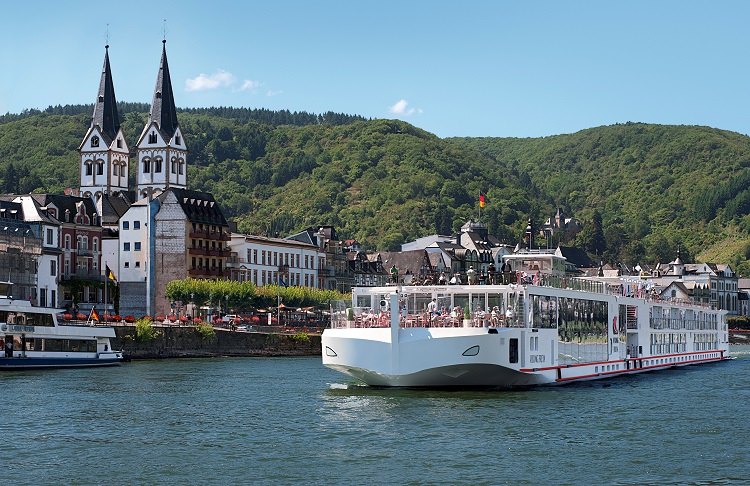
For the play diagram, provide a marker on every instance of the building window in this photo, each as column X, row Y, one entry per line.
column 137, row 264
column 127, row 264
column 255, row 256
column 136, row 225
column 180, row 167
column 53, row 267
column 152, row 137
column 177, row 140
column 119, row 143
column 126, row 225
column 174, row 167
column 157, row 166
column 114, row 169
column 94, row 141
column 89, row 169
column 50, row 236
column 100, row 168
column 137, row 246
column 146, row 166
column 95, row 242
column 126, row 246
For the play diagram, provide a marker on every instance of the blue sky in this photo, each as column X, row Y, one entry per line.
column 482, row 68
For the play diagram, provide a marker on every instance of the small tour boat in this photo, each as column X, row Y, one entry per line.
column 33, row 338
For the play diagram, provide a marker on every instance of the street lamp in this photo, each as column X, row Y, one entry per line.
column 192, row 302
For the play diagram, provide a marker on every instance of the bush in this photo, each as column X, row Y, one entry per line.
column 300, row 337
column 144, row 330
column 205, row 329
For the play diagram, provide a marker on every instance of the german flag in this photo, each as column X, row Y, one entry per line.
column 94, row 316
column 481, row 199
column 111, row 275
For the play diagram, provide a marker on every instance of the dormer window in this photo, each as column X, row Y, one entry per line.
column 152, row 137
column 101, row 98
column 119, row 143
column 177, row 140
column 94, row 141
column 158, row 95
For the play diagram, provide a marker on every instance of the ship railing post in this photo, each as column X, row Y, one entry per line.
column 395, row 325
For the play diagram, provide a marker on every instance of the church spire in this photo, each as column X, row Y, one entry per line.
column 105, row 108
column 163, row 110
column 161, row 150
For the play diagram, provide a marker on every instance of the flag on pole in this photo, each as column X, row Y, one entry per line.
column 94, row 316
column 111, row 275
column 481, row 199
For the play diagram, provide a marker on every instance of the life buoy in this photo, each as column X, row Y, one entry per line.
column 614, row 324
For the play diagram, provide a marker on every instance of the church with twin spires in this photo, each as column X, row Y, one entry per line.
column 159, row 231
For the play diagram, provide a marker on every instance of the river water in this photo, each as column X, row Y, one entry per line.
column 292, row 421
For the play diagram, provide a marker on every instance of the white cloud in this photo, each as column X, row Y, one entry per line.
column 400, row 108
column 273, row 93
column 251, row 85
column 219, row 79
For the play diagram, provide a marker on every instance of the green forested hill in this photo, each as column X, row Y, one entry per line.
column 384, row 182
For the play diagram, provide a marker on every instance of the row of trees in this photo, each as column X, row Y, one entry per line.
column 246, row 296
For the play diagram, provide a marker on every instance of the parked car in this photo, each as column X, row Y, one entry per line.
column 230, row 318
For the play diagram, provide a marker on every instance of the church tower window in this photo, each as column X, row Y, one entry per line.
column 146, row 166
column 152, row 137
column 99, row 167
column 157, row 166
column 89, row 168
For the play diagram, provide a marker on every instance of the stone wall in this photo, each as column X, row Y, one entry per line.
column 186, row 342
column 133, row 299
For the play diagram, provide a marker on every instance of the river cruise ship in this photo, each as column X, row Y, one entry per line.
column 32, row 338
column 546, row 330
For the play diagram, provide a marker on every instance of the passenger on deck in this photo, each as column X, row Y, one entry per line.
column 394, row 274
column 471, row 275
column 491, row 271
column 508, row 315
column 442, row 280
column 505, row 269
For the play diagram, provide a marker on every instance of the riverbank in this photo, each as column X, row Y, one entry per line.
column 187, row 342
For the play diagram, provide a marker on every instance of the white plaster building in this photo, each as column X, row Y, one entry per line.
column 262, row 260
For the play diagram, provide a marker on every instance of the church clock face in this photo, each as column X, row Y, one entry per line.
column 94, row 141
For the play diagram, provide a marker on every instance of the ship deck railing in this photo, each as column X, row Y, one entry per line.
column 424, row 320
column 620, row 289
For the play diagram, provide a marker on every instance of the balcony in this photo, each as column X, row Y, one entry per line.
column 206, row 251
column 204, row 271
column 84, row 252
column 210, row 235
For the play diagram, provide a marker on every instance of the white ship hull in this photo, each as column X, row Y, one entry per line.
column 486, row 353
